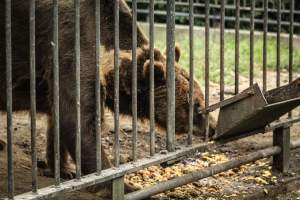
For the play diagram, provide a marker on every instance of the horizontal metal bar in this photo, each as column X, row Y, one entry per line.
column 110, row 174
column 228, row 7
column 207, row 172
column 217, row 17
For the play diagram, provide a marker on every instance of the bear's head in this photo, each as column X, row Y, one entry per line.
column 182, row 88
column 160, row 90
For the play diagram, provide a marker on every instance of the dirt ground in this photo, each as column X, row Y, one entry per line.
column 22, row 158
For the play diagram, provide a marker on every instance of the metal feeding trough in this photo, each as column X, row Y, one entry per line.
column 252, row 110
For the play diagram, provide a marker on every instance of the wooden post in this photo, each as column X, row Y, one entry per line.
column 118, row 189
column 281, row 138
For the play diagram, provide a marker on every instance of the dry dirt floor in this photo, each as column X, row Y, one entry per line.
column 253, row 181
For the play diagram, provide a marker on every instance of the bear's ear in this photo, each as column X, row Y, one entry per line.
column 159, row 71
column 177, row 53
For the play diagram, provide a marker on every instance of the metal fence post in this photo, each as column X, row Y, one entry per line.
column 281, row 138
column 118, row 189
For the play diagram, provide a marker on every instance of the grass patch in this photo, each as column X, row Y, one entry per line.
column 182, row 39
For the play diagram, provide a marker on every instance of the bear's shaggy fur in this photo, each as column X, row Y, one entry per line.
column 44, row 76
column 44, row 65
column 160, row 89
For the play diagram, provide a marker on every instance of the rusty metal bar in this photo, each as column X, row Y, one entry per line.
column 10, row 170
column 33, row 94
column 252, row 28
column 291, row 40
column 151, row 94
column 207, row 172
column 171, row 75
column 134, row 80
column 207, row 38
column 237, row 46
column 281, row 138
column 98, row 89
column 278, row 43
column 77, row 75
column 291, row 44
column 222, row 54
column 116, row 85
column 265, row 41
column 118, row 189
column 55, row 48
column 112, row 173
column 191, row 82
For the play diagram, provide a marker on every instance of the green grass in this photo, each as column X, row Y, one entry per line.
column 182, row 39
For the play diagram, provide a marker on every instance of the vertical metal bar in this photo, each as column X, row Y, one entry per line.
column 237, row 45
column 151, row 95
column 134, row 80
column 281, row 138
column 265, row 41
column 291, row 40
column 77, row 66
column 55, row 45
column 207, row 38
column 9, row 100
column 278, row 43
column 116, row 85
column 171, row 74
column 222, row 56
column 291, row 44
column 252, row 28
column 33, row 95
column 191, row 91
column 98, row 89
column 118, row 189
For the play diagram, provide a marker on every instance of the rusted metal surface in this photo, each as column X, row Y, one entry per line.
column 9, row 129
column 33, row 95
column 171, row 75
column 254, row 113
column 55, row 48
column 281, row 138
column 191, row 81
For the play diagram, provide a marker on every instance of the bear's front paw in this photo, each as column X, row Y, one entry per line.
column 64, row 173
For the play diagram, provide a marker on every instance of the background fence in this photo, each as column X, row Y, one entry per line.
column 182, row 13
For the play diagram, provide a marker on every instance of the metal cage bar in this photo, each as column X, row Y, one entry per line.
column 265, row 45
column 55, row 48
column 252, row 28
column 134, row 80
column 171, row 75
column 8, row 45
column 222, row 49
column 151, row 78
column 291, row 40
column 116, row 84
column 237, row 47
column 33, row 94
column 278, row 43
column 77, row 75
column 98, row 89
column 207, row 73
column 191, row 63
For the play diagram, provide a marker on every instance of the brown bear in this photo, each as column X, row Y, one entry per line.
column 160, row 90
column 44, row 65
column 44, row 76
